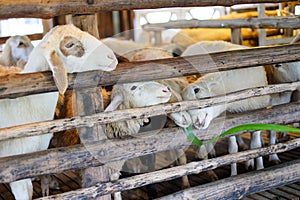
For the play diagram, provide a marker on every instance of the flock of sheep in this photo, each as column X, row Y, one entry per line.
column 66, row 49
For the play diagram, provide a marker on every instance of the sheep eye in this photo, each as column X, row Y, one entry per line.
column 133, row 87
column 20, row 44
column 196, row 90
column 69, row 45
column 277, row 65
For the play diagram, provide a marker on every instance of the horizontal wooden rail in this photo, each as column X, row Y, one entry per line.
column 268, row 22
column 39, row 128
column 242, row 185
column 97, row 153
column 16, row 85
column 179, row 171
column 36, row 36
column 52, row 8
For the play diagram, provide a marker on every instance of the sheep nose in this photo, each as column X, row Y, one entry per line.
column 166, row 90
column 112, row 57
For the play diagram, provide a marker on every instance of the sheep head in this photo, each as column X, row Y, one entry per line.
column 284, row 72
column 17, row 49
column 67, row 49
column 138, row 94
column 201, row 118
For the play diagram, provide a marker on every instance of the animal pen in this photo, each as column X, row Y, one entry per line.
column 65, row 162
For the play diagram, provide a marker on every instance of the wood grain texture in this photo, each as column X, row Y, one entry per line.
column 255, row 181
column 242, row 185
column 98, row 153
column 51, row 8
column 136, row 113
column 268, row 22
column 16, row 85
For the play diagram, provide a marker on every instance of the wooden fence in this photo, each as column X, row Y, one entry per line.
column 77, row 157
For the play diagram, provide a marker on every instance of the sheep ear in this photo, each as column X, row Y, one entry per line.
column 115, row 102
column 59, row 72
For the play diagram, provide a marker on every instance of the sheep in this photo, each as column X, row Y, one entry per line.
column 132, row 95
column 16, row 51
column 220, row 83
column 284, row 73
column 65, row 49
column 176, row 85
column 123, row 48
column 189, row 36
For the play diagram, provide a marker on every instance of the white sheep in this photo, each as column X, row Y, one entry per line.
column 132, row 95
column 16, row 51
column 221, row 83
column 123, row 48
column 284, row 73
column 181, row 119
column 65, row 49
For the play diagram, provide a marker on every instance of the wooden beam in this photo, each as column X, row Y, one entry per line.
column 16, row 85
column 236, row 187
column 36, row 36
column 137, row 113
column 190, row 168
column 52, row 8
column 267, row 22
column 79, row 156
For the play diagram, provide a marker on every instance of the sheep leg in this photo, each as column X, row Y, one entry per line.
column 149, row 160
column 182, row 160
column 241, row 144
column 211, row 149
column 45, row 185
column 256, row 143
column 203, row 154
column 22, row 189
column 114, row 176
column 272, row 140
column 233, row 148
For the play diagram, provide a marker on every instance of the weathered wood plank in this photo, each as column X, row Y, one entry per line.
column 17, row 85
column 51, row 8
column 138, row 113
column 264, row 22
column 239, row 186
column 79, row 157
column 195, row 168
column 36, row 36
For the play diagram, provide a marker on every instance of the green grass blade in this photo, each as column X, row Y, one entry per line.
column 240, row 128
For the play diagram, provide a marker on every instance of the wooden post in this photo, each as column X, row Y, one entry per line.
column 87, row 23
column 89, row 101
column 105, row 24
column 262, row 35
column 47, row 25
column 236, row 36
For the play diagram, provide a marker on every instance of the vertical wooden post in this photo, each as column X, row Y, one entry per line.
column 236, row 36
column 262, row 34
column 89, row 101
column 47, row 25
column 105, row 24
column 87, row 23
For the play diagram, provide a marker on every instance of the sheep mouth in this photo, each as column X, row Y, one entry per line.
column 200, row 124
column 163, row 97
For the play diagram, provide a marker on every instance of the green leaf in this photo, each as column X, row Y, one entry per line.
column 240, row 128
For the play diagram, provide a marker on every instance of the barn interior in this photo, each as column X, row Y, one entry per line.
column 77, row 162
